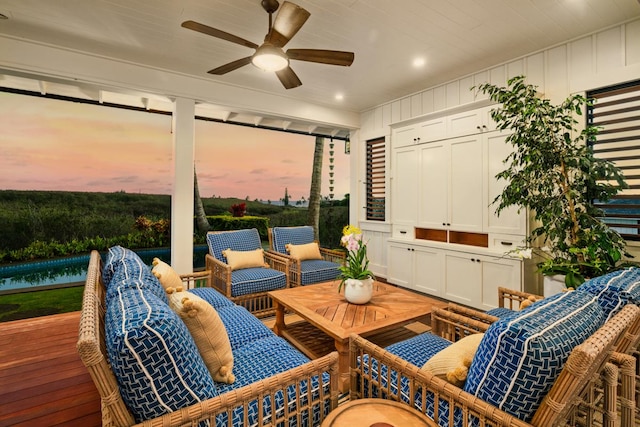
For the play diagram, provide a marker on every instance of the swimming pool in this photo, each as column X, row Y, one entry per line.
column 71, row 271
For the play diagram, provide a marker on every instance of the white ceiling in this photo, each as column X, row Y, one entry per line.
column 455, row 37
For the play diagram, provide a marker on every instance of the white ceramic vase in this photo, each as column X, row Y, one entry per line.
column 358, row 291
column 553, row 285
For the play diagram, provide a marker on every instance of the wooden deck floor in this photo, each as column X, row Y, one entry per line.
column 42, row 380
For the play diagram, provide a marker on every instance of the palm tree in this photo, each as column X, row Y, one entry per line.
column 313, row 215
column 201, row 217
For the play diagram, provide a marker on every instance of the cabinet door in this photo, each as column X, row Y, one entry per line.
column 465, row 123
column 466, row 195
column 428, row 271
column 433, row 191
column 404, row 202
column 405, row 135
column 433, row 130
column 400, row 264
column 463, row 278
column 509, row 221
column 498, row 272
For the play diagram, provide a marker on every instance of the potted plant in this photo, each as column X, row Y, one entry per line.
column 355, row 275
column 553, row 173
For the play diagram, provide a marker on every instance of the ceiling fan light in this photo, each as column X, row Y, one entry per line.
column 270, row 58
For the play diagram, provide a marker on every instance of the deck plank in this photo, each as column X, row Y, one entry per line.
column 42, row 379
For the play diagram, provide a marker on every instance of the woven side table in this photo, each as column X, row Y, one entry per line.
column 376, row 413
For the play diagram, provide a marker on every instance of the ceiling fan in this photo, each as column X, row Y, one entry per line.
column 270, row 56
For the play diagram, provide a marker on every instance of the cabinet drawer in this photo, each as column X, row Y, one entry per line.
column 506, row 242
column 403, row 231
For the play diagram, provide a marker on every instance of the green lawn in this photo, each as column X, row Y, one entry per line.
column 40, row 303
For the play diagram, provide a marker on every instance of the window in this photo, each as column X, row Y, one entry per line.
column 617, row 113
column 375, row 179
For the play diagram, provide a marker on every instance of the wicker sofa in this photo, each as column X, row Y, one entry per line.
column 147, row 369
column 538, row 366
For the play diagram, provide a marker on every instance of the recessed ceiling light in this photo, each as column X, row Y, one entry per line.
column 419, row 62
column 339, row 97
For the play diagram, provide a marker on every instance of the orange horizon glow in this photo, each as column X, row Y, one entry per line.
column 52, row 145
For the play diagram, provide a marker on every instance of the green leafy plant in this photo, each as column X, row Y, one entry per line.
column 553, row 172
column 357, row 263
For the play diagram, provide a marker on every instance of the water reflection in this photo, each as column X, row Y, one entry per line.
column 72, row 270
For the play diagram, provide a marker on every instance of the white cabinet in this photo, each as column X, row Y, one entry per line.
column 416, row 267
column 463, row 277
column 470, row 122
column 419, row 132
column 404, row 187
column 451, row 184
column 510, row 221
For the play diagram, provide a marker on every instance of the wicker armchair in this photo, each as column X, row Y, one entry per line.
column 247, row 286
column 377, row 372
column 305, row 272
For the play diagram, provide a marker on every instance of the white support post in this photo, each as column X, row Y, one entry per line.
column 182, row 196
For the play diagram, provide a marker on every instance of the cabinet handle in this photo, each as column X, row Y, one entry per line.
column 484, row 126
column 506, row 243
column 444, row 223
column 403, row 232
column 448, row 223
column 473, row 260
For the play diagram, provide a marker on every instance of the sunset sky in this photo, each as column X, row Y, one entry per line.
column 47, row 144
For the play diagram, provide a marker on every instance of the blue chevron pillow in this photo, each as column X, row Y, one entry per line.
column 153, row 356
column 521, row 356
column 615, row 290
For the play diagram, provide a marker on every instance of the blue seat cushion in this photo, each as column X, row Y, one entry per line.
column 521, row 356
column 242, row 326
column 153, row 356
column 282, row 236
column 213, row 297
column 615, row 290
column 254, row 280
column 317, row 270
column 264, row 358
column 124, row 268
column 237, row 240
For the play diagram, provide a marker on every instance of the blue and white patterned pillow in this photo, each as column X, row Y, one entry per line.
column 615, row 290
column 153, row 356
column 521, row 356
column 124, row 267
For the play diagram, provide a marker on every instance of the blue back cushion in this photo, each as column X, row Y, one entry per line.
column 615, row 290
column 153, row 356
column 281, row 236
column 238, row 240
column 521, row 356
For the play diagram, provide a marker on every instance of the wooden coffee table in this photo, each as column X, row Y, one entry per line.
column 328, row 314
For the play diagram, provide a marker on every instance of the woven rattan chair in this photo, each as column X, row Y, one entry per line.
column 305, row 272
column 247, row 286
column 92, row 350
column 588, row 360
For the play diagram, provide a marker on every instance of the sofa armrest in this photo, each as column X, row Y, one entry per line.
column 455, row 321
column 512, row 298
column 368, row 380
column 209, row 409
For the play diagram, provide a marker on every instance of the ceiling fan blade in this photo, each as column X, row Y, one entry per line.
column 288, row 78
column 332, row 57
column 224, row 69
column 290, row 19
column 205, row 29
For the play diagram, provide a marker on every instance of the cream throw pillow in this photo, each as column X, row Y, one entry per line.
column 166, row 275
column 304, row 252
column 244, row 259
column 452, row 363
column 207, row 331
